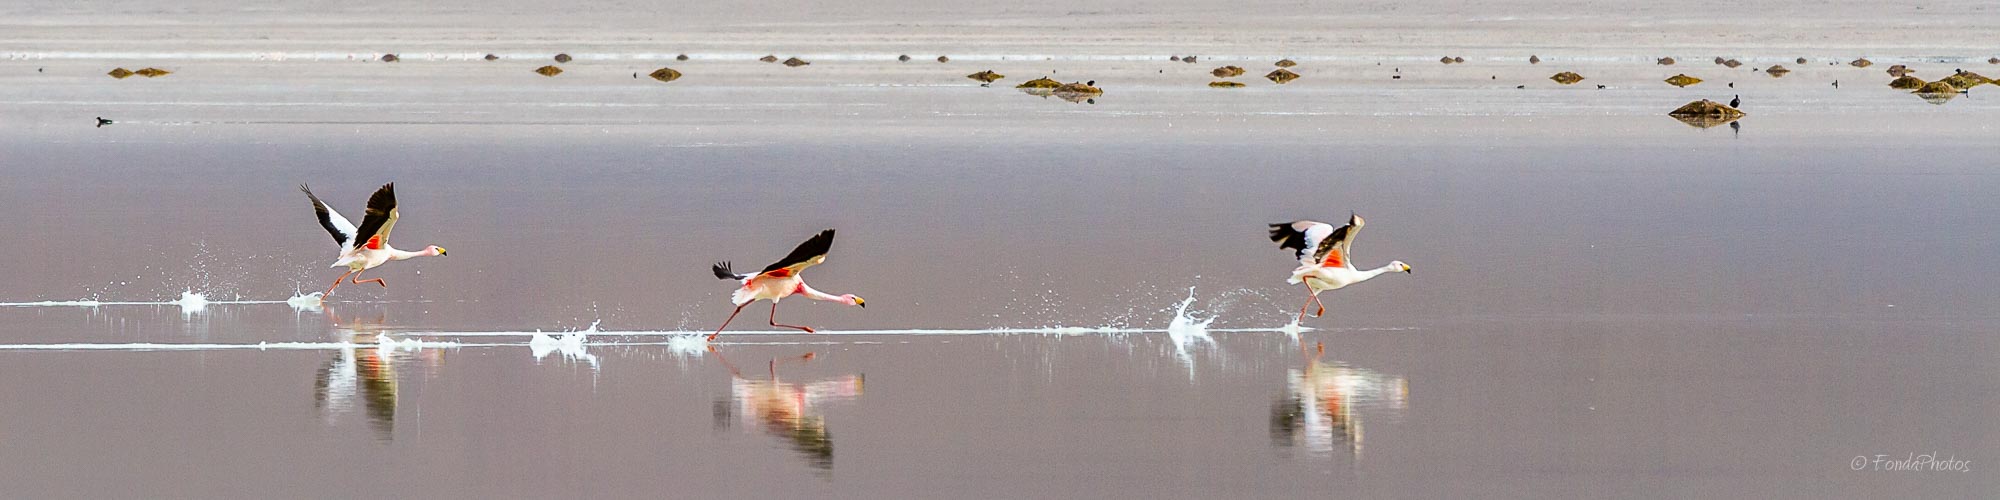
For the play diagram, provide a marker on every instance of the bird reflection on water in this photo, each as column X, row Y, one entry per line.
column 787, row 410
column 369, row 371
column 1322, row 406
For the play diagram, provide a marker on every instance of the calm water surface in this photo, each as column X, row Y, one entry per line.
column 1606, row 302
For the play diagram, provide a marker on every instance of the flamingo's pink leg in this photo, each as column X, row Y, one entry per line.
column 774, row 320
column 725, row 323
column 336, row 283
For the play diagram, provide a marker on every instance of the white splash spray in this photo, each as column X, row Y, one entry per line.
column 688, row 346
column 1187, row 333
column 572, row 346
column 191, row 302
column 306, row 302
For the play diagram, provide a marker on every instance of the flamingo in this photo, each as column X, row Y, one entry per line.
column 1325, row 258
column 781, row 279
column 365, row 248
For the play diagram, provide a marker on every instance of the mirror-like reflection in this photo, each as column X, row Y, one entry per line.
column 1323, row 402
column 1705, row 121
column 787, row 410
column 369, row 372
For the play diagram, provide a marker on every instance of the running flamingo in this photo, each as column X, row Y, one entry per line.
column 365, row 248
column 1325, row 258
column 781, row 279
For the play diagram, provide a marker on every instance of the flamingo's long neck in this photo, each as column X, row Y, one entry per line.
column 810, row 293
column 1372, row 273
column 395, row 254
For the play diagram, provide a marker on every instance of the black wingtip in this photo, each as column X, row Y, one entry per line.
column 722, row 271
column 1287, row 237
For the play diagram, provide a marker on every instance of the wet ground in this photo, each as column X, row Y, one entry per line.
column 1605, row 301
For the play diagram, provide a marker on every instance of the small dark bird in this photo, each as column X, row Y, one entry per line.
column 1520, row 86
column 101, row 122
column 1836, row 84
column 1395, row 77
column 38, row 70
column 1600, row 87
column 1732, row 85
column 1736, row 102
column 635, row 75
column 1092, row 83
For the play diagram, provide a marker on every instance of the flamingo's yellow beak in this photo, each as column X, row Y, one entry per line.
column 862, row 303
column 1406, row 269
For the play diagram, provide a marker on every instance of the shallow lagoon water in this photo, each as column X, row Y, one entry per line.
column 1605, row 302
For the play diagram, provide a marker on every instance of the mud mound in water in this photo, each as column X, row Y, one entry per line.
column 1705, row 113
column 1907, row 83
column 1039, row 83
column 1938, row 87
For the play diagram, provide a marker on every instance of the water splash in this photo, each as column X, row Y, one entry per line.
column 191, row 302
column 688, row 345
column 572, row 346
column 1188, row 333
column 306, row 302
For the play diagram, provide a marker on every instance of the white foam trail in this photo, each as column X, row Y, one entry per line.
column 679, row 345
column 387, row 342
column 260, row 346
column 903, row 332
column 72, row 303
column 188, row 300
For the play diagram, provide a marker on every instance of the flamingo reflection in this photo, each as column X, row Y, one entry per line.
column 1323, row 403
column 370, row 372
column 788, row 410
